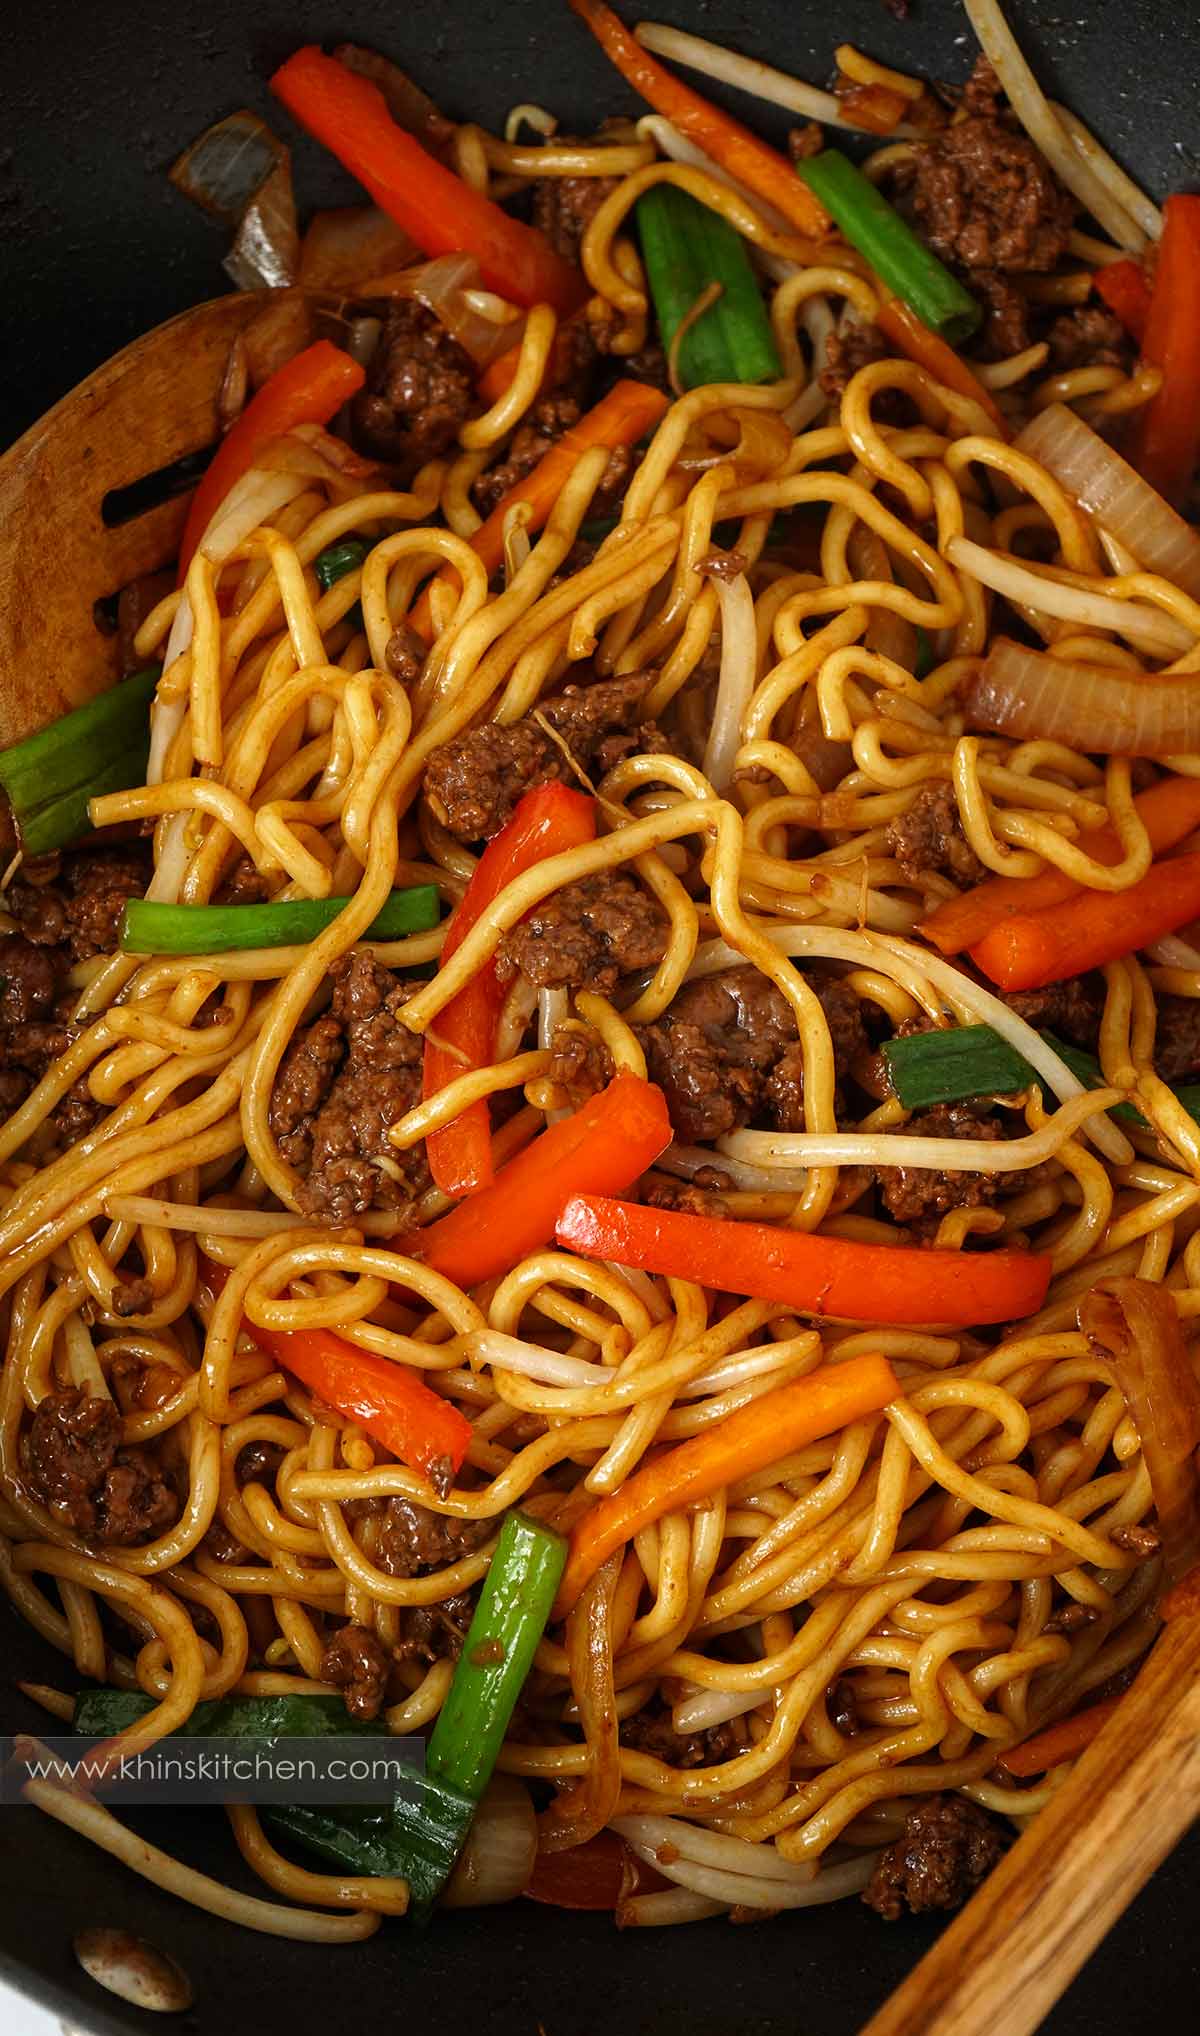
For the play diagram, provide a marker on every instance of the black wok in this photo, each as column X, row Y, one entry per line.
column 95, row 248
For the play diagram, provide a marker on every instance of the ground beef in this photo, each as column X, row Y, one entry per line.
column 435, row 1632
column 1072, row 1009
column 564, row 208
column 690, row 1198
column 727, row 1050
column 404, row 654
column 651, row 1731
column 29, row 982
column 412, row 1539
column 580, row 1063
column 587, row 936
column 243, row 884
column 76, row 1465
column 357, row 1662
column 928, row 840
column 342, row 1082
column 842, row 1706
column 921, row 1196
column 1089, row 337
column 855, row 345
column 984, row 196
column 1177, row 1039
column 258, row 1463
column 1006, row 323
column 132, row 1295
column 949, row 1846
column 473, row 783
column 79, row 909
column 420, row 389
column 134, row 603
column 544, row 425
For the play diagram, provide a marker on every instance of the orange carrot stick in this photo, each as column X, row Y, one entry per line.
column 620, row 418
column 1033, row 949
column 1168, row 811
column 762, row 1432
column 1058, row 1742
column 906, row 331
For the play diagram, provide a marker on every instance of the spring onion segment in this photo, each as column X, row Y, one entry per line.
column 876, row 229
column 337, row 560
column 510, row 1618
column 149, row 928
column 963, row 1061
column 687, row 249
column 99, row 747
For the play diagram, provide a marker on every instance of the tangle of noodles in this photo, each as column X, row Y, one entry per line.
column 801, row 1659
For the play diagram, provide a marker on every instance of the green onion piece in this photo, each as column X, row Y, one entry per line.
column 337, row 560
column 148, row 928
column 876, row 229
column 510, row 1618
column 417, row 1837
column 923, row 662
column 686, row 248
column 949, row 1066
column 100, row 747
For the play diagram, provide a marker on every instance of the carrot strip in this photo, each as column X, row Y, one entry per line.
column 1058, row 1742
column 1169, row 812
column 598, row 1150
column 1165, row 445
column 1123, row 287
column 906, row 331
column 626, row 414
column 820, row 1275
column 438, row 210
column 746, row 1441
column 760, row 168
column 309, row 389
column 1033, row 949
column 548, row 819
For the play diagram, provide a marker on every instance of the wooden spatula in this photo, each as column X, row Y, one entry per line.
column 1016, row 1947
column 60, row 552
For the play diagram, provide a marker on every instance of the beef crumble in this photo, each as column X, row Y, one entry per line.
column 420, row 389
column 1090, row 336
column 1177, row 1039
column 472, row 784
column 431, row 1633
column 357, row 1662
column 652, row 1732
column 580, row 1063
column 80, row 907
column 77, row 1466
column 853, row 346
column 949, row 1846
column 544, row 425
column 564, row 208
column 985, row 197
column 920, row 1196
column 586, row 936
column 1072, row 1008
column 413, row 1539
column 726, row 1049
column 928, row 840
column 342, row 1082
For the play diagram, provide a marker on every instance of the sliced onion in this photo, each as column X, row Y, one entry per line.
column 1032, row 696
column 1136, row 1326
column 500, row 1849
column 241, row 172
column 549, row 1367
column 739, row 657
column 450, row 287
column 1106, row 485
column 346, row 247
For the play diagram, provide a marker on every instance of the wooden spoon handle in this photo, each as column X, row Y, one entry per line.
column 1020, row 1941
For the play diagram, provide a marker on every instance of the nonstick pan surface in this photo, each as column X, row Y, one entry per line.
column 95, row 248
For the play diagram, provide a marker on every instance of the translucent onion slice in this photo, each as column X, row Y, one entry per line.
column 739, row 651
column 1102, row 482
column 501, row 1846
column 1136, row 1326
column 1035, row 697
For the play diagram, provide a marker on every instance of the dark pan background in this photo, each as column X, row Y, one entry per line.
column 95, row 248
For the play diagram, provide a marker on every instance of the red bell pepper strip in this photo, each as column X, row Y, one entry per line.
column 599, row 1150
column 309, row 389
column 1035, row 948
column 1058, row 1742
column 1123, row 287
column 752, row 161
column 761, row 1432
column 820, row 1275
column 548, row 819
column 599, row 1874
column 1165, row 446
column 427, row 201
column 417, row 1425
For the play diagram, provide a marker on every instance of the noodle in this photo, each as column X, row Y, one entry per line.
column 709, row 643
